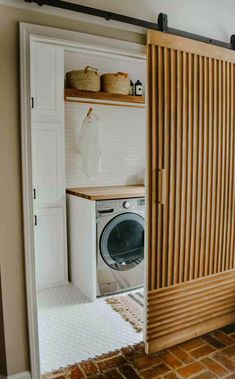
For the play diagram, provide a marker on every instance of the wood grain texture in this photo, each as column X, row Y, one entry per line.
column 191, row 308
column 184, row 44
column 108, row 192
column 191, row 123
column 81, row 96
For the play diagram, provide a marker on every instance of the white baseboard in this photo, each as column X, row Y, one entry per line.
column 20, row 375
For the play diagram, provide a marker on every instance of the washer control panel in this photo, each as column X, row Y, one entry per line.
column 104, row 208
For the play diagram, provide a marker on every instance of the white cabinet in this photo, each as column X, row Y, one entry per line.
column 82, row 244
column 48, row 163
column 47, row 67
column 49, row 247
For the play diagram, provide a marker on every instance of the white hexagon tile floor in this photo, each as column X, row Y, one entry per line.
column 72, row 329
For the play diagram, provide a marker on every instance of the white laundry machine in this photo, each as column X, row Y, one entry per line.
column 120, row 226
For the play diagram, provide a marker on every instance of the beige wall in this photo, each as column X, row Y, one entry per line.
column 11, row 237
column 3, row 366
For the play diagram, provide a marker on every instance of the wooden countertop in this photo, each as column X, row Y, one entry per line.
column 108, row 192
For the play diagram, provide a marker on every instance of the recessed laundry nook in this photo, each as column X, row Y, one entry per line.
column 88, row 120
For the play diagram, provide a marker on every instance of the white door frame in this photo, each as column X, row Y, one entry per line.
column 69, row 40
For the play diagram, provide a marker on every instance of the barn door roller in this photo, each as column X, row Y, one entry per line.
column 160, row 26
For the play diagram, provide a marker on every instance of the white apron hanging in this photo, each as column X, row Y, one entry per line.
column 89, row 145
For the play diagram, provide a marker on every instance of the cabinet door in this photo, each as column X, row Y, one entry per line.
column 49, row 248
column 48, row 163
column 47, row 81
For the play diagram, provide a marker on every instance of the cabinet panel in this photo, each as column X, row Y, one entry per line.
column 47, row 81
column 48, row 162
column 48, row 166
column 49, row 247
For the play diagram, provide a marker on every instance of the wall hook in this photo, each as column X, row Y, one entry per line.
column 89, row 111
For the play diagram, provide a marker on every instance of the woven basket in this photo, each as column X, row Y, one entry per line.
column 118, row 83
column 87, row 79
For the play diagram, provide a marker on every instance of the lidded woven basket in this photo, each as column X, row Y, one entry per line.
column 87, row 79
column 118, row 83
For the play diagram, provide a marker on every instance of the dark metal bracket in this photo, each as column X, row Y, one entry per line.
column 232, row 41
column 162, row 24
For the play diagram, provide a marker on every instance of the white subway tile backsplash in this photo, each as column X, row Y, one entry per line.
column 123, row 130
column 123, row 134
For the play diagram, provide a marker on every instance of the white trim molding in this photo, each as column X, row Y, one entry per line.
column 28, row 202
column 69, row 41
column 20, row 375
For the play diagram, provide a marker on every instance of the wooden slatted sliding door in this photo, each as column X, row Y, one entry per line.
column 191, row 212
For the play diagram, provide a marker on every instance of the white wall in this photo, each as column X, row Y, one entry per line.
column 123, row 128
column 206, row 17
column 212, row 18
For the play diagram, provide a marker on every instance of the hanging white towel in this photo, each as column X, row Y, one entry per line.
column 90, row 145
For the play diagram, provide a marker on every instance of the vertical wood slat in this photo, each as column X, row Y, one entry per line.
column 153, row 156
column 166, row 130
column 223, row 147
column 151, row 205
column 150, row 173
column 173, row 108
column 189, row 183
column 227, row 153
column 218, row 165
column 200, row 170
column 195, row 90
column 232, row 237
column 230, row 191
column 208, row 226
column 178, row 167
column 160, row 159
column 225, row 174
column 214, row 141
column 204, row 188
column 183, row 163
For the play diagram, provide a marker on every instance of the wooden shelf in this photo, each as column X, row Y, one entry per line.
column 108, row 192
column 105, row 98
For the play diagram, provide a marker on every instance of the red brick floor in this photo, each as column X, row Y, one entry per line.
column 208, row 357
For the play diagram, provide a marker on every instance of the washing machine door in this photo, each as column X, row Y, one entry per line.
column 122, row 242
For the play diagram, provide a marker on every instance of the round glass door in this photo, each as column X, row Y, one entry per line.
column 122, row 242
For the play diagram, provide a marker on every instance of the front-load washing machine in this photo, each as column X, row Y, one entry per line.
column 120, row 245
